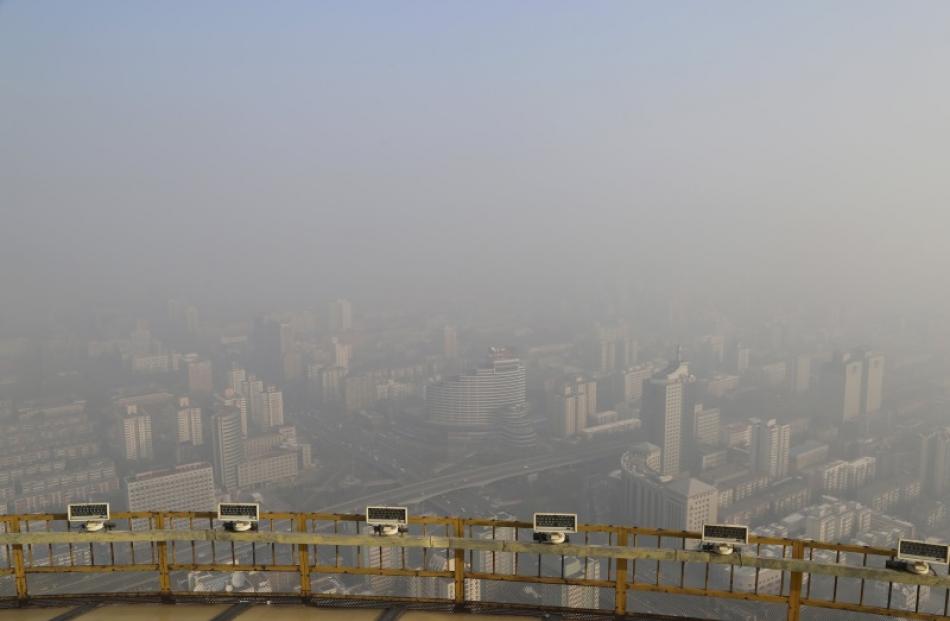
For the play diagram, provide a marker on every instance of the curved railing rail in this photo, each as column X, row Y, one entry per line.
column 461, row 555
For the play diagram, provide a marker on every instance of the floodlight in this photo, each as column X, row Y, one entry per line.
column 239, row 516
column 93, row 515
column 721, row 539
column 388, row 521
column 554, row 527
column 916, row 556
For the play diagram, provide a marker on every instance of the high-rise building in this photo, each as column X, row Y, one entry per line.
column 272, row 406
column 189, row 487
column 616, row 349
column 843, row 379
column 342, row 353
column 663, row 411
column 228, row 446
column 574, row 405
column 234, row 399
column 802, row 371
column 332, row 384
column 339, row 316
column 359, row 392
column 873, row 382
column 769, row 448
column 252, row 389
column 658, row 501
column 450, row 342
column 137, row 432
column 935, row 461
column 236, row 379
column 200, row 379
column 705, row 425
column 467, row 406
column 633, row 380
column 189, row 423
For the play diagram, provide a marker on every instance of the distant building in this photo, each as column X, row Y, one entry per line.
column 450, row 342
column 273, row 407
column 663, row 412
column 275, row 467
column 770, row 447
column 575, row 405
column 200, row 378
column 228, row 446
column 705, row 425
column 935, row 461
column 467, row 406
column 873, row 382
column 189, row 487
column 339, row 316
column 189, row 423
column 137, row 433
column 659, row 501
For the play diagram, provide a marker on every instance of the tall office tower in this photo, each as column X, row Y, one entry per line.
column 236, row 378
column 801, row 381
column 141, row 338
column 710, row 355
column 359, row 392
column 517, row 431
column 843, row 378
column 342, row 353
column 658, row 501
column 665, row 400
column 617, row 350
column 575, row 404
column 450, row 342
column 769, row 448
column 189, row 423
column 192, row 320
column 228, row 446
column 935, row 461
column 232, row 398
column 705, row 425
column 137, row 431
column 742, row 355
column 467, row 406
column 873, row 382
column 633, row 380
column 332, row 384
column 200, row 379
column 252, row 389
column 339, row 316
column 272, row 407
column 189, row 487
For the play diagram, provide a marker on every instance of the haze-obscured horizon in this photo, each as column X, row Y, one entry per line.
column 230, row 151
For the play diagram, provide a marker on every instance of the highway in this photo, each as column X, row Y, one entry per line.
column 415, row 493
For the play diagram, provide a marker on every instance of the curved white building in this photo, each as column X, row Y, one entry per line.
column 470, row 403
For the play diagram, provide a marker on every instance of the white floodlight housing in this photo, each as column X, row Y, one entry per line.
column 721, row 539
column 916, row 556
column 239, row 516
column 388, row 521
column 93, row 515
column 554, row 527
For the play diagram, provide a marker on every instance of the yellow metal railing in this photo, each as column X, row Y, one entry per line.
column 621, row 561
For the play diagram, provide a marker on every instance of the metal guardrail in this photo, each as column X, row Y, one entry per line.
column 628, row 560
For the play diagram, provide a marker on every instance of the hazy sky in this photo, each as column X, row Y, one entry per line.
column 237, row 147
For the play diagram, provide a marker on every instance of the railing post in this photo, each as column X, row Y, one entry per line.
column 19, row 569
column 795, row 584
column 303, row 560
column 164, row 580
column 459, row 566
column 620, row 586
